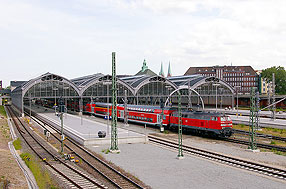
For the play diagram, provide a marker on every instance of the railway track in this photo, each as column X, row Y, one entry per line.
column 72, row 177
column 260, row 135
column 259, row 145
column 224, row 159
column 97, row 166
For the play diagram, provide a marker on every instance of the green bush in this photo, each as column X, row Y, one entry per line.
column 17, row 144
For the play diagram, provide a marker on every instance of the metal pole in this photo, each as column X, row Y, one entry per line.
column 189, row 95
column 273, row 97
column 81, row 107
column 252, row 121
column 55, row 103
column 220, row 98
column 162, row 114
column 107, row 120
column 114, row 140
column 180, row 139
column 216, row 99
column 125, row 108
column 30, row 108
column 236, row 102
column 62, row 133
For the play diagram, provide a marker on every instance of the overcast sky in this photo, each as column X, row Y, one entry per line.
column 74, row 38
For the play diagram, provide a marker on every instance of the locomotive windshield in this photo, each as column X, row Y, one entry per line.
column 225, row 119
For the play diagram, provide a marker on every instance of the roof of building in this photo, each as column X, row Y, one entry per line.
column 196, row 70
column 81, row 82
column 184, row 80
column 145, row 70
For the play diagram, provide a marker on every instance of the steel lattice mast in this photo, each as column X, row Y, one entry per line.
column 180, row 139
column 252, row 121
column 273, row 97
column 114, row 138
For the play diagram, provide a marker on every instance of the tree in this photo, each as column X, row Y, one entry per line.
column 280, row 78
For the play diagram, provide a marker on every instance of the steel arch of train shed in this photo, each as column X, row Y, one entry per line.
column 212, row 80
column 194, row 81
column 151, row 79
column 19, row 94
column 106, row 78
column 185, row 87
column 45, row 78
column 152, row 89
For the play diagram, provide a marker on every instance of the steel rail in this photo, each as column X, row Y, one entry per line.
column 260, row 135
column 232, row 161
column 261, row 145
column 52, row 124
column 55, row 158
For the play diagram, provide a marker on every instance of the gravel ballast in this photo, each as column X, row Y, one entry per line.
column 159, row 168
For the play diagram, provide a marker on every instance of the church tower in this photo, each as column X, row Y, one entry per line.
column 161, row 73
column 169, row 70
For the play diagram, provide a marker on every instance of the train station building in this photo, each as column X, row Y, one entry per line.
column 143, row 88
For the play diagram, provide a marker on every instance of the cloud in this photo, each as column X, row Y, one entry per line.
column 77, row 37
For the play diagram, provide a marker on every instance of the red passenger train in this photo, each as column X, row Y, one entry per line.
column 201, row 122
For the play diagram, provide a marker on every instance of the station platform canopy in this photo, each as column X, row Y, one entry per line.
column 139, row 89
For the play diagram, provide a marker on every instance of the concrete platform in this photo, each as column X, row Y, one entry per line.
column 85, row 131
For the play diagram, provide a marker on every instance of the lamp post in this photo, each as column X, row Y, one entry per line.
column 221, row 92
column 30, row 108
column 236, row 88
column 55, row 89
column 216, row 85
column 65, row 96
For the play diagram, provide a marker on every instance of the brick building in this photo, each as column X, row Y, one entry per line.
column 243, row 76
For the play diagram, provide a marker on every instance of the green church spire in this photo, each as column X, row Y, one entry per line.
column 169, row 70
column 161, row 73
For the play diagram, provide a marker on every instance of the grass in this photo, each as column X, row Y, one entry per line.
column 42, row 176
column 17, row 144
column 272, row 142
column 278, row 152
column 266, row 130
column 2, row 111
column 166, row 132
column 106, row 151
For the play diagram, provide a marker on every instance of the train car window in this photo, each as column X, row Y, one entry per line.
column 151, row 119
column 214, row 118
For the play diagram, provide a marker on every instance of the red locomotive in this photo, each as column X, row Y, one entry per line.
column 201, row 122
column 204, row 122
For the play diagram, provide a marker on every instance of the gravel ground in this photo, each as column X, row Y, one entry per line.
column 236, row 150
column 212, row 144
column 159, row 168
column 9, row 168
